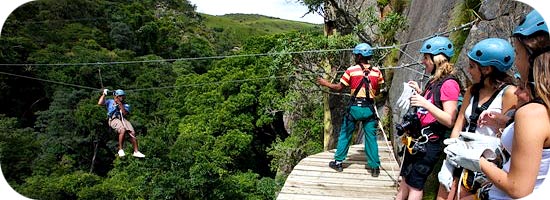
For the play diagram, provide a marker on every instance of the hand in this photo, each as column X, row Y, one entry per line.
column 414, row 85
column 492, row 119
column 322, row 81
column 404, row 100
column 117, row 101
column 105, row 91
column 419, row 101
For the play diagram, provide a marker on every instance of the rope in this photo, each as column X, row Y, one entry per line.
column 50, row 81
column 100, row 79
column 463, row 26
column 387, row 143
column 174, row 59
column 254, row 79
column 405, row 66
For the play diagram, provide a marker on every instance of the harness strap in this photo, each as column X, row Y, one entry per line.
column 435, row 88
column 476, row 110
column 365, row 81
column 360, row 101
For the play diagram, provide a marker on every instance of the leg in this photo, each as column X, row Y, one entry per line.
column 403, row 192
column 418, row 168
column 132, row 134
column 443, row 194
column 447, row 181
column 342, row 147
column 408, row 192
column 121, row 132
column 415, row 194
column 134, row 142
column 371, row 144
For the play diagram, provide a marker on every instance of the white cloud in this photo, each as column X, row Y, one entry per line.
column 284, row 9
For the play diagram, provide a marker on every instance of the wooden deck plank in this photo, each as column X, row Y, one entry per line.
column 286, row 196
column 313, row 179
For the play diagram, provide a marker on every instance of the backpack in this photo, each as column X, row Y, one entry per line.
column 435, row 90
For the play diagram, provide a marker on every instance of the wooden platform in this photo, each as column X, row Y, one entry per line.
column 313, row 179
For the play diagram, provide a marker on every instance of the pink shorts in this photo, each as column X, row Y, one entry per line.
column 117, row 124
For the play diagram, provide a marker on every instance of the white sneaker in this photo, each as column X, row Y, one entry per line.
column 121, row 153
column 138, row 154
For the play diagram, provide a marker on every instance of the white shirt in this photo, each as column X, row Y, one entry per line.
column 542, row 186
column 495, row 106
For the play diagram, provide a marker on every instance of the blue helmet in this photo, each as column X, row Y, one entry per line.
column 119, row 92
column 532, row 23
column 438, row 45
column 363, row 49
column 493, row 52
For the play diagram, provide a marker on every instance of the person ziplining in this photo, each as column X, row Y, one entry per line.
column 117, row 111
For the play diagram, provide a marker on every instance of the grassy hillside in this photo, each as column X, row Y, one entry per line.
column 232, row 29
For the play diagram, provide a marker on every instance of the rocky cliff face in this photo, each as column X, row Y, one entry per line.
column 426, row 17
column 499, row 18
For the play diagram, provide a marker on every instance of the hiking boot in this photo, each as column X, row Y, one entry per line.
column 121, row 153
column 375, row 172
column 336, row 166
column 138, row 154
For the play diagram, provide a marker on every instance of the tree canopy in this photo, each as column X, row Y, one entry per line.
column 212, row 128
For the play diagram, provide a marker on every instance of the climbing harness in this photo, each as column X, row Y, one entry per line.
column 477, row 110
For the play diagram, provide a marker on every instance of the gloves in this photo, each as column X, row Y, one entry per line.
column 445, row 175
column 451, row 141
column 105, row 91
column 404, row 100
column 468, row 152
column 467, row 158
column 481, row 140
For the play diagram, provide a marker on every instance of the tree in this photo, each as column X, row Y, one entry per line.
column 18, row 147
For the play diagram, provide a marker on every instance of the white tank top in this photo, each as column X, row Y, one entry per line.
column 542, row 186
column 496, row 106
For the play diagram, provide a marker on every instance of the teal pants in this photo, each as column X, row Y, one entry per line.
column 369, row 127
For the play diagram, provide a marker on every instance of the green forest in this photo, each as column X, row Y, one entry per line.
column 223, row 106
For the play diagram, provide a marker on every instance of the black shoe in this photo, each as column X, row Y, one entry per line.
column 336, row 166
column 375, row 172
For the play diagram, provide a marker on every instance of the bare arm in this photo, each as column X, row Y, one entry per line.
column 335, row 86
column 101, row 100
column 496, row 120
column 461, row 119
column 509, row 99
column 445, row 116
column 120, row 106
column 532, row 130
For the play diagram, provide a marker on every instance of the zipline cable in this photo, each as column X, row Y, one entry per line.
column 50, row 81
column 405, row 66
column 463, row 26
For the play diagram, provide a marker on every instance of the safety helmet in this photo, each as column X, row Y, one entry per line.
column 532, row 23
column 119, row 92
column 493, row 52
column 438, row 45
column 363, row 49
